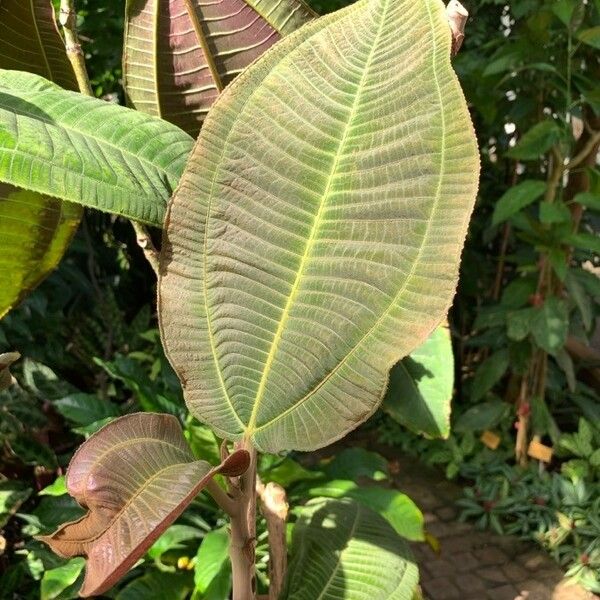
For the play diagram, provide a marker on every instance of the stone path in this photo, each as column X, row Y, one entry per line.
column 474, row 564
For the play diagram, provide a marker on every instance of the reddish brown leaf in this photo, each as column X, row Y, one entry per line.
column 136, row 476
column 30, row 41
column 180, row 54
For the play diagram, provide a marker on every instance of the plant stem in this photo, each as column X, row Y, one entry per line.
column 68, row 21
column 243, row 532
column 274, row 507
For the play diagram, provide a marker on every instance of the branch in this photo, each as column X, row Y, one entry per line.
column 275, row 508
column 590, row 147
column 68, row 21
column 457, row 16
column 242, row 548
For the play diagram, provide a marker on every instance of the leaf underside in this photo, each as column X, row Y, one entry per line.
column 31, row 42
column 180, row 54
column 86, row 150
column 135, row 476
column 316, row 234
column 420, row 388
column 342, row 549
column 35, row 230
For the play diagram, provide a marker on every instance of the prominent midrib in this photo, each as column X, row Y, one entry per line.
column 417, row 260
column 315, row 227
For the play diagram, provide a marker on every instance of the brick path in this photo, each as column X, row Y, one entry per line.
column 474, row 564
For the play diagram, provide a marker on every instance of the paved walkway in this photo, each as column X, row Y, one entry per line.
column 474, row 564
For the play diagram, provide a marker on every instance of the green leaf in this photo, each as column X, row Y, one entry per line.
column 518, row 323
column 32, row 452
column 179, row 57
column 420, row 387
column 35, row 231
column 590, row 36
column 12, row 495
column 212, row 556
column 556, row 212
column 284, row 472
column 517, row 198
column 86, row 150
column 118, row 475
column 56, row 582
column 58, row 488
column 300, row 305
column 488, row 373
column 537, row 141
column 172, row 539
column 582, row 300
column 341, row 550
column 354, row 463
column 485, row 415
column 85, row 409
column 589, row 242
column 550, row 325
column 154, row 585
column 588, row 199
column 397, row 508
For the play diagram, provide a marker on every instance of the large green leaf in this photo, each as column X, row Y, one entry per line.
column 397, row 508
column 86, row 150
column 135, row 476
column 180, row 54
column 420, row 387
column 35, row 230
column 316, row 234
column 341, row 549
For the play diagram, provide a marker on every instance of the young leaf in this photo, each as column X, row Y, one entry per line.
column 315, row 237
column 31, row 41
column 135, row 476
column 420, row 387
column 342, row 549
column 180, row 54
column 86, row 150
column 517, row 198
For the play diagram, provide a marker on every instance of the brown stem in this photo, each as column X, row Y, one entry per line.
column 221, row 497
column 275, row 508
column 68, row 21
column 457, row 16
column 243, row 532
